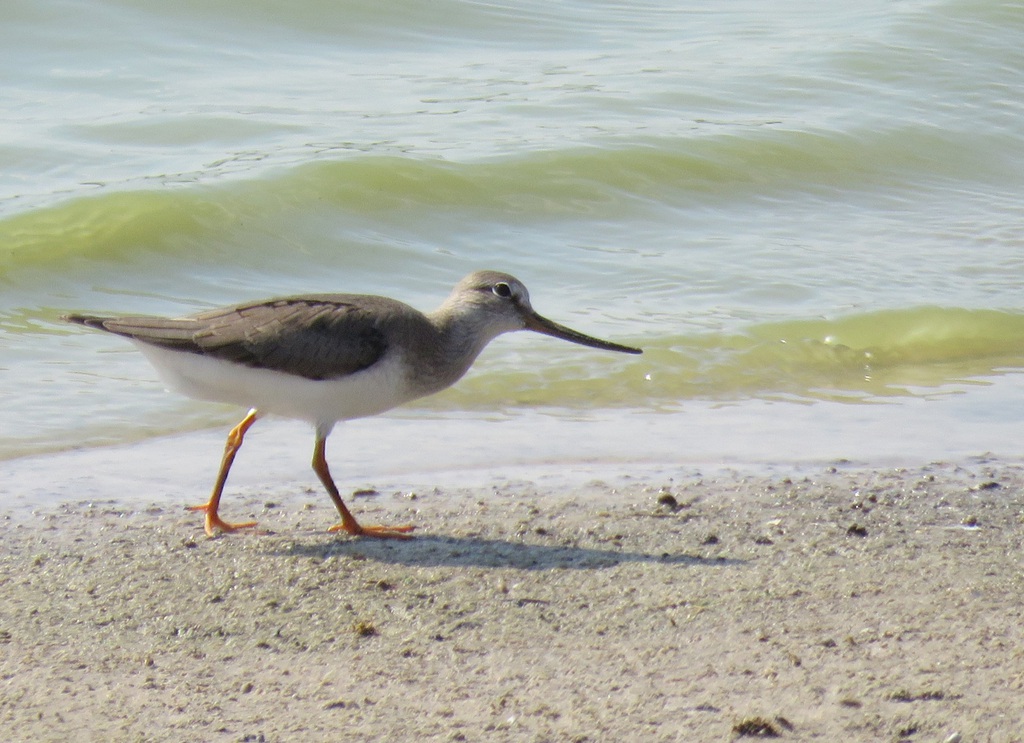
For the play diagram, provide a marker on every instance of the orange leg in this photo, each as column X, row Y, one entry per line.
column 214, row 522
column 348, row 521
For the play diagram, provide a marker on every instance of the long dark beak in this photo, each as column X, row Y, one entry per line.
column 542, row 325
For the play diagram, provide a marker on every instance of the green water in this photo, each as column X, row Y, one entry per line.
column 812, row 206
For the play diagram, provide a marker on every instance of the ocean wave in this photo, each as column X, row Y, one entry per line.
column 866, row 357
column 753, row 161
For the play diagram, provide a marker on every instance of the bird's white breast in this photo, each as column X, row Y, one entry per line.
column 368, row 392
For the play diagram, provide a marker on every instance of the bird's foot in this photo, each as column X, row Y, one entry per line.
column 215, row 524
column 377, row 532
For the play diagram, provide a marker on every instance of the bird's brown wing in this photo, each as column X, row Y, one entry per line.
column 317, row 337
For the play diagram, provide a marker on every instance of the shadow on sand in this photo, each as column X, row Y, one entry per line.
column 440, row 551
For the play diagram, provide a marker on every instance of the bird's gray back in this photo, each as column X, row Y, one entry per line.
column 318, row 336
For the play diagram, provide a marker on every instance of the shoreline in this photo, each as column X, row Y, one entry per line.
column 470, row 450
column 836, row 602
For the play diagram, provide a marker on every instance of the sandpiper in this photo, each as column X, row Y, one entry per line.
column 324, row 358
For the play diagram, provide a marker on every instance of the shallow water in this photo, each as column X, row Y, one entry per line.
column 799, row 210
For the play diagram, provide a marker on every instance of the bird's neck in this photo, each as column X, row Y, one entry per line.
column 463, row 333
column 460, row 337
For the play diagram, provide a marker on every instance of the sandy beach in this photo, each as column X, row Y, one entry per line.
column 832, row 602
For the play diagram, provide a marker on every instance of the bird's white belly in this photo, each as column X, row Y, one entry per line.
column 368, row 392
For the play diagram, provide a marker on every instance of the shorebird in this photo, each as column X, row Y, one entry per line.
column 325, row 358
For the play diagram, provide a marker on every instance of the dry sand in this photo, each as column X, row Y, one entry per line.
column 834, row 603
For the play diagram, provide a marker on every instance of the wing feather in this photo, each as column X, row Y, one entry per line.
column 316, row 337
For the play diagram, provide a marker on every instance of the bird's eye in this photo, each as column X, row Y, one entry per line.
column 502, row 290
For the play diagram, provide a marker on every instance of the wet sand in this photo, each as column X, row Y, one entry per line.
column 819, row 603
